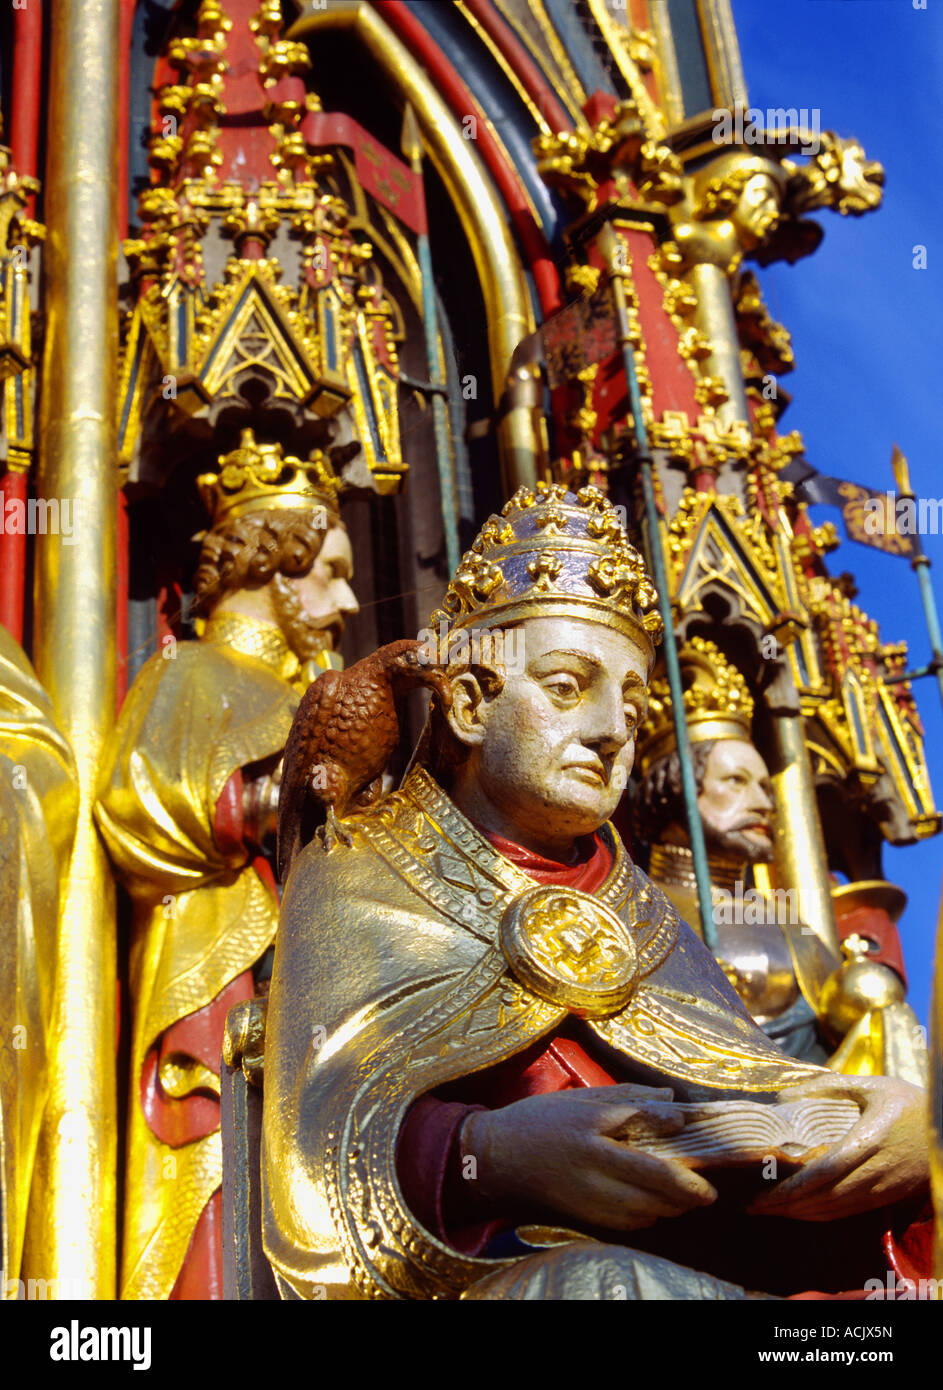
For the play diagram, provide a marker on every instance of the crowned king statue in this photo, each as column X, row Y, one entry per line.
column 188, row 796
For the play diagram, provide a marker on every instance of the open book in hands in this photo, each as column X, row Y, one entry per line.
column 740, row 1133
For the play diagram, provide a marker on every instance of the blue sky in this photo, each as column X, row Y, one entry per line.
column 867, row 327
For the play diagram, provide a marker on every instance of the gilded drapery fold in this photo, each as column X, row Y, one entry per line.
column 389, row 981
column 38, row 807
column 201, row 916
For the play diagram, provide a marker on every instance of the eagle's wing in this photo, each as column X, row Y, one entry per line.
column 302, row 753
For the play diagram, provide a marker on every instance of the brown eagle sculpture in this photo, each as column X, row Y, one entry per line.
column 343, row 735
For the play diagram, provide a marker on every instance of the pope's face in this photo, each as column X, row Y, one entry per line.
column 558, row 742
column 735, row 802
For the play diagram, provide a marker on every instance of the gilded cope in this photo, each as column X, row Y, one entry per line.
column 481, row 1008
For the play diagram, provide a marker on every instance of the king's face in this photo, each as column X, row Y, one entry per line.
column 325, row 591
column 559, row 740
column 758, row 209
column 735, row 802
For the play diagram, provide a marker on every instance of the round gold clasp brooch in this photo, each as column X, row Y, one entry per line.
column 569, row 949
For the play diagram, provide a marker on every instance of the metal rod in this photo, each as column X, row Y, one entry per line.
column 412, row 148
column 608, row 242
column 933, row 668
column 921, row 564
column 427, row 388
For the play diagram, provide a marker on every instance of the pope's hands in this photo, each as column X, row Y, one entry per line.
column 882, row 1159
column 571, row 1152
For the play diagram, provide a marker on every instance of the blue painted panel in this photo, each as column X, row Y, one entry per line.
column 579, row 47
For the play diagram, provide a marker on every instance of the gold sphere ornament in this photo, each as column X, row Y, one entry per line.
column 857, row 987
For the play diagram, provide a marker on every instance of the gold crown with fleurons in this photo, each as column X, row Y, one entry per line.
column 717, row 703
column 554, row 553
column 258, row 477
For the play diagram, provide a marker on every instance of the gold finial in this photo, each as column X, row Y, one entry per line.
column 212, row 19
column 257, row 477
column 901, row 473
column 553, row 553
column 410, row 140
column 717, row 703
column 269, row 18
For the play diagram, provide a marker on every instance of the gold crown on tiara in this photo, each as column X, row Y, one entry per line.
column 553, row 553
column 257, row 477
column 717, row 703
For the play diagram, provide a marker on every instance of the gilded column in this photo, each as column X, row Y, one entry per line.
column 73, row 1224
column 800, row 860
column 715, row 318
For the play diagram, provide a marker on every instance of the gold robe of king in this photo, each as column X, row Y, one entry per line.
column 38, row 807
column 186, row 807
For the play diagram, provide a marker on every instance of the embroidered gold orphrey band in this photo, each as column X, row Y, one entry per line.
column 442, row 857
column 421, row 833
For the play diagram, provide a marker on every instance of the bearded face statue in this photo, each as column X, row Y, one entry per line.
column 735, row 802
column 757, row 210
column 310, row 608
column 291, row 568
column 734, row 799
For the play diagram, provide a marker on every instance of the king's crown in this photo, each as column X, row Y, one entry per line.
column 257, row 477
column 717, row 703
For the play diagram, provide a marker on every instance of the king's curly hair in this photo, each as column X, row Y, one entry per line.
column 249, row 551
column 659, row 797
